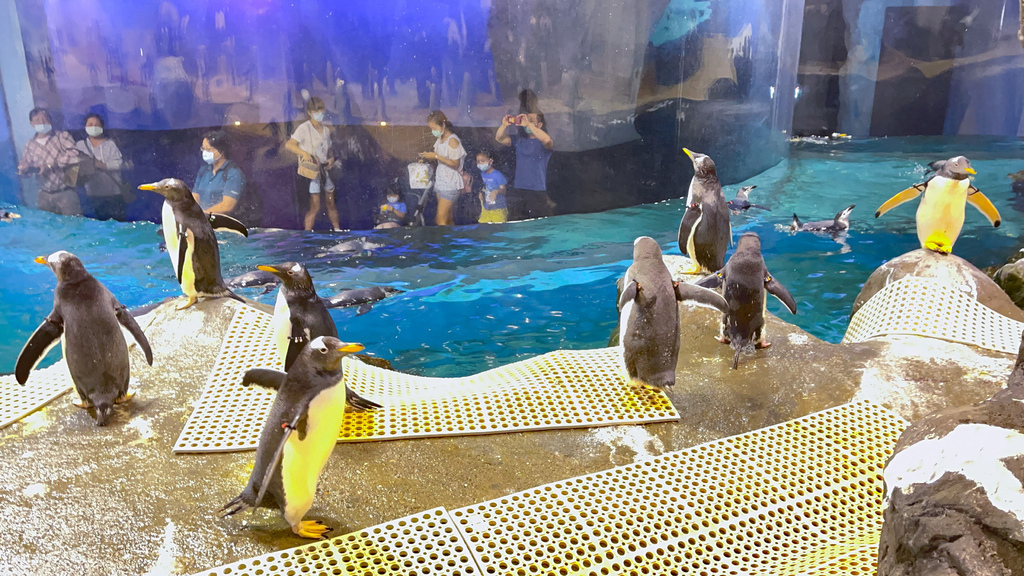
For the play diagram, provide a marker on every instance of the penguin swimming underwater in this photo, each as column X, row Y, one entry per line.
column 747, row 285
column 705, row 232
column 940, row 216
column 649, row 315
column 191, row 242
column 300, row 433
column 840, row 223
column 299, row 314
column 742, row 202
column 86, row 318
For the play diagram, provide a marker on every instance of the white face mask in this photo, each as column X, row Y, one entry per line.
column 94, row 131
column 208, row 156
column 42, row 128
column 484, row 167
column 318, row 116
column 392, row 199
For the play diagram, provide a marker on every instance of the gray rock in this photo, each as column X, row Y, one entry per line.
column 1011, row 279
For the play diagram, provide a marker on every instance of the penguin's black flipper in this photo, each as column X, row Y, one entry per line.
column 685, row 291
column 359, row 403
column 265, row 378
column 275, row 461
column 775, row 288
column 128, row 321
column 629, row 292
column 46, row 336
column 713, row 281
column 228, row 224
column 364, row 308
column 690, row 218
column 759, row 207
column 182, row 250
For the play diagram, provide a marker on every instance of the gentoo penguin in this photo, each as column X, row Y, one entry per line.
column 86, row 319
column 311, row 400
column 299, row 314
column 840, row 223
column 704, row 232
column 742, row 202
column 191, row 243
column 361, row 297
column 8, row 216
column 649, row 315
column 256, row 279
column 747, row 285
column 940, row 216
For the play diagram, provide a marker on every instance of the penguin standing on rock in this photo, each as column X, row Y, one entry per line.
column 649, row 315
column 940, row 216
column 747, row 284
column 300, row 433
column 705, row 232
column 86, row 318
column 299, row 314
column 191, row 242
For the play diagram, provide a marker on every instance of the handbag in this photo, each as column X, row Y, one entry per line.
column 126, row 191
column 310, row 170
column 78, row 172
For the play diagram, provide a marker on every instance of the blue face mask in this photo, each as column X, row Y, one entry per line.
column 208, row 156
column 527, row 129
column 436, row 133
column 484, row 167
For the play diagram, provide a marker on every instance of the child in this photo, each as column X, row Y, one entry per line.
column 391, row 214
column 492, row 200
column 311, row 142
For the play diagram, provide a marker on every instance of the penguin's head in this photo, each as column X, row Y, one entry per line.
column 744, row 193
column 749, row 241
column 65, row 266
column 957, row 168
column 646, row 248
column 170, row 188
column 292, row 274
column 327, row 352
column 703, row 165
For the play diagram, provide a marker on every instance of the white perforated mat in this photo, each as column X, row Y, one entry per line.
column 43, row 387
column 928, row 307
column 563, row 389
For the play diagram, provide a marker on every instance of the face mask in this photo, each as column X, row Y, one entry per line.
column 208, row 156
column 42, row 128
column 484, row 167
column 94, row 131
column 392, row 199
column 527, row 128
column 318, row 116
column 436, row 133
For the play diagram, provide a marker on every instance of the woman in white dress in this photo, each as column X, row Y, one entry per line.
column 450, row 155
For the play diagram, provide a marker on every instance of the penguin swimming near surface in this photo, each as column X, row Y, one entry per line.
column 191, row 242
column 299, row 314
column 257, row 279
column 840, row 223
column 86, row 318
column 705, row 232
column 649, row 315
column 8, row 216
column 300, row 433
column 940, row 216
column 747, row 285
column 742, row 202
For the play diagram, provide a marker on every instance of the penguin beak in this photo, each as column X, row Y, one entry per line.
column 152, row 188
column 688, row 153
column 970, row 170
column 41, row 260
column 271, row 269
column 352, row 348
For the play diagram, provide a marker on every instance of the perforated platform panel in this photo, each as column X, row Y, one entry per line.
column 928, row 307
column 425, row 543
column 43, row 387
column 791, row 499
column 563, row 389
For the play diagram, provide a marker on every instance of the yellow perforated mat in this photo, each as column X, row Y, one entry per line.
column 43, row 386
column 425, row 543
column 563, row 389
column 928, row 307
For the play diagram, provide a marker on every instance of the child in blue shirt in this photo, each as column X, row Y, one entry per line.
column 391, row 214
column 493, row 208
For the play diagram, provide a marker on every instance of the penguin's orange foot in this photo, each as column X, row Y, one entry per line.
column 723, row 339
column 694, row 268
column 80, row 403
column 938, row 243
column 125, row 397
column 762, row 345
column 191, row 300
column 311, row 529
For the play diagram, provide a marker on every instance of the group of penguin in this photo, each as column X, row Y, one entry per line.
column 647, row 305
column 305, row 419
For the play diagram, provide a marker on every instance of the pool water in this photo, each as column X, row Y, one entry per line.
column 477, row 297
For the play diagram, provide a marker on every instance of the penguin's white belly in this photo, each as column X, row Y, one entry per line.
column 942, row 208
column 303, row 460
column 625, row 327
column 690, row 249
column 282, row 325
column 170, row 224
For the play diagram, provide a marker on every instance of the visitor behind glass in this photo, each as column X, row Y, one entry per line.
column 493, row 208
column 46, row 155
column 450, row 154
column 220, row 181
column 533, row 151
column 103, row 187
column 311, row 142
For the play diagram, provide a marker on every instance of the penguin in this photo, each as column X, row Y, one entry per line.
column 299, row 434
column 747, row 285
column 191, row 242
column 705, row 232
column 257, row 279
column 299, row 314
column 8, row 216
column 86, row 318
column 361, row 297
column 649, row 315
column 840, row 223
column 940, row 216
column 742, row 203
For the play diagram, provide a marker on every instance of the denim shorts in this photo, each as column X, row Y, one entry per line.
column 449, row 195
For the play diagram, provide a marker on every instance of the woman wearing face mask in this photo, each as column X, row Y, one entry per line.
column 220, row 181
column 450, row 154
column 311, row 142
column 46, row 155
column 103, row 187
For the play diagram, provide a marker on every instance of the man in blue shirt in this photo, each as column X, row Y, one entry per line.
column 533, row 151
column 220, row 181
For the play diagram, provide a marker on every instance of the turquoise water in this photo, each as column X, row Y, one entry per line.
column 477, row 297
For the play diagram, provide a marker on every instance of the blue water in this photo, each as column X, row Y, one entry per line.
column 477, row 297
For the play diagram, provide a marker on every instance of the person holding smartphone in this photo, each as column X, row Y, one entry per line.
column 533, row 148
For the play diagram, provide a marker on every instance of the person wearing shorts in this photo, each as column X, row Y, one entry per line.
column 311, row 142
column 493, row 208
column 450, row 155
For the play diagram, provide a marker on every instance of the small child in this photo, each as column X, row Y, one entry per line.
column 391, row 214
column 493, row 208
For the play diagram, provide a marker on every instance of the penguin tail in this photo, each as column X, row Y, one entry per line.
column 103, row 412
column 796, row 225
column 359, row 403
column 233, row 296
column 736, row 358
column 234, row 507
